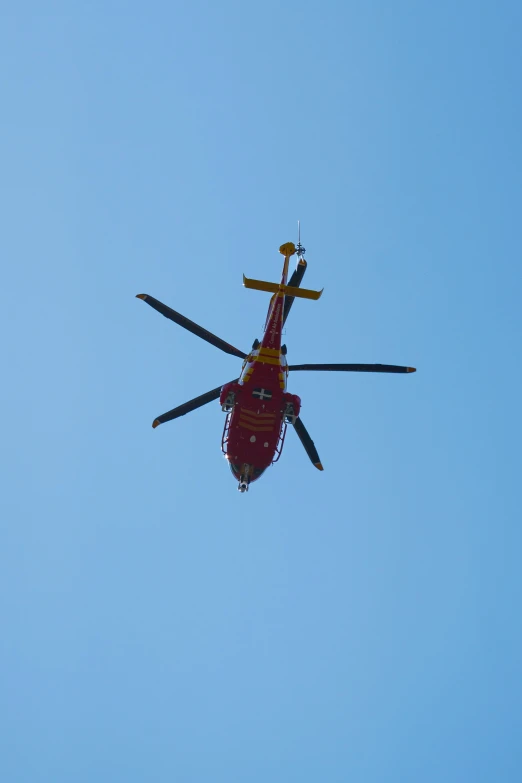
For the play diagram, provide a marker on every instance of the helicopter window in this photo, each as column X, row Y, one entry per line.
column 234, row 467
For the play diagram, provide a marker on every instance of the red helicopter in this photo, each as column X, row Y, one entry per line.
column 258, row 408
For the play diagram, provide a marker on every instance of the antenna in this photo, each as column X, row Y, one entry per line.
column 300, row 250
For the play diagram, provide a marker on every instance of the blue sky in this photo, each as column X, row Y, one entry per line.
column 358, row 624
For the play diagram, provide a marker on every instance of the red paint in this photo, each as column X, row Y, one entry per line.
column 256, row 423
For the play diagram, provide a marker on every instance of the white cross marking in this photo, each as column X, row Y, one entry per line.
column 263, row 394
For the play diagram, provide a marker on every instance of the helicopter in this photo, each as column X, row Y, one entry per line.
column 257, row 405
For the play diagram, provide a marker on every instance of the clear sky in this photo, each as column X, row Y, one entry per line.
column 360, row 624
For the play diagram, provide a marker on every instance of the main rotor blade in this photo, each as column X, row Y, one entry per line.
column 295, row 282
column 189, row 406
column 181, row 320
column 353, row 367
column 308, row 443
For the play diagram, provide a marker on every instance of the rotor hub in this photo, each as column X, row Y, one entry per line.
column 300, row 250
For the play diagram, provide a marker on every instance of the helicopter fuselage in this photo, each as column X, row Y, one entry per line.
column 258, row 405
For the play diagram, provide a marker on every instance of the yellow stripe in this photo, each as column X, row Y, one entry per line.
column 245, row 426
column 252, row 420
column 246, row 412
column 269, row 351
column 267, row 360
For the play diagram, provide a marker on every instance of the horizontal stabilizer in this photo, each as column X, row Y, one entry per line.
column 303, row 293
column 274, row 288
column 261, row 285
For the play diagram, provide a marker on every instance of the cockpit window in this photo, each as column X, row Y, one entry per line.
column 235, row 468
